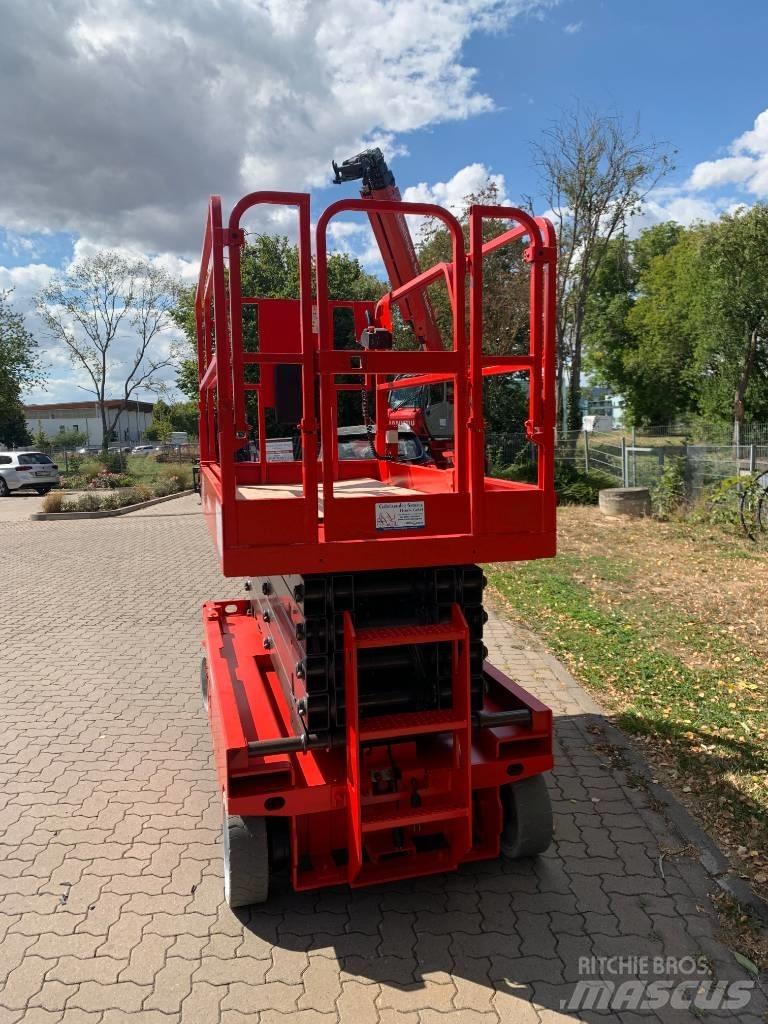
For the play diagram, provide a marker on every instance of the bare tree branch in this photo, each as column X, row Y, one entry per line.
column 596, row 170
column 95, row 309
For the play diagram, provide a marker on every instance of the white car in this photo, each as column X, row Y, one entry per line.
column 142, row 449
column 30, row 470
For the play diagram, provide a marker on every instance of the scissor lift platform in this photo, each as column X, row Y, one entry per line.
column 359, row 734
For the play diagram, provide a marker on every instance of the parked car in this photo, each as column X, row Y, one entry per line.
column 354, row 444
column 89, row 449
column 143, row 449
column 27, row 470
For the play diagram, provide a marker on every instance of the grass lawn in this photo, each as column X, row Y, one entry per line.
column 667, row 624
column 146, row 470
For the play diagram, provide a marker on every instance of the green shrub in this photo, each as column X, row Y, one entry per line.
column 115, row 462
column 108, row 481
column 524, row 473
column 575, row 487
column 112, row 502
column 75, row 463
column 87, row 503
column 74, row 482
column 53, row 502
column 718, row 504
column 180, row 476
column 90, row 468
column 668, row 493
column 135, row 495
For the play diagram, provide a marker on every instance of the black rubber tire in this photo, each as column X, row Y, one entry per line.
column 4, row 488
column 42, row 490
column 204, row 683
column 528, row 824
column 246, row 861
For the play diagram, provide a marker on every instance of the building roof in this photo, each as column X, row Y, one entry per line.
column 91, row 406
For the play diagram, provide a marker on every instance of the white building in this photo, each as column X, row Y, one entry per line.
column 62, row 417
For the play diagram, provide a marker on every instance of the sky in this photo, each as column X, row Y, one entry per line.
column 125, row 115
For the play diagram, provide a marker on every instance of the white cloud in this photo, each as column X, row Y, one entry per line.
column 127, row 114
column 25, row 281
column 727, row 171
column 708, row 192
column 756, row 139
column 452, row 193
column 573, row 27
column 746, row 167
column 683, row 209
column 184, row 270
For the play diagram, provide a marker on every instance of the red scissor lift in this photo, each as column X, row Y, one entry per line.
column 359, row 734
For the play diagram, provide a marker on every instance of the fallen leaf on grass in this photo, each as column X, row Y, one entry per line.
column 746, row 963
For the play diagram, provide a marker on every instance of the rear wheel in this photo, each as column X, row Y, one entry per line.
column 42, row 490
column 246, row 860
column 4, row 488
column 204, row 683
column 528, row 824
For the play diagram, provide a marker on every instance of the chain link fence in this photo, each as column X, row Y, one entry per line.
column 63, row 456
column 637, row 459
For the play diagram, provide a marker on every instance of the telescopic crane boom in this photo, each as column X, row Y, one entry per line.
column 393, row 238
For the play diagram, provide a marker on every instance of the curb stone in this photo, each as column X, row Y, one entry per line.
column 108, row 513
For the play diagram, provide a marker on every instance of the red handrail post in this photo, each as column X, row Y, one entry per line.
column 476, row 422
column 224, row 388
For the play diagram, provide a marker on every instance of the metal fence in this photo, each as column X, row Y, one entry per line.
column 707, row 432
column 634, row 460
column 63, row 456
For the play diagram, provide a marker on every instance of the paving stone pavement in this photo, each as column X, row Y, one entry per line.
column 110, row 879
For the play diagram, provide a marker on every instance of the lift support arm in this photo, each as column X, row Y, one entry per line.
column 394, row 240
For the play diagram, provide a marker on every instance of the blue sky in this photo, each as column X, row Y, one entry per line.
column 119, row 136
column 679, row 65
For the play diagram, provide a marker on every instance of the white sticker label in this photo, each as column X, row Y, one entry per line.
column 400, row 515
column 280, row 449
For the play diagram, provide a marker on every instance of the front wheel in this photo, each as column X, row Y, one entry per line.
column 246, row 860
column 528, row 824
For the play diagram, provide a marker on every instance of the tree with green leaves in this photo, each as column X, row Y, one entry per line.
column 595, row 171
column 661, row 380
column 20, row 369
column 677, row 321
column 63, row 439
column 628, row 349
column 110, row 313
column 731, row 353
column 168, row 417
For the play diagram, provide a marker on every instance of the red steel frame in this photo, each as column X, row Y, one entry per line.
column 341, row 825
column 468, row 517
column 458, row 770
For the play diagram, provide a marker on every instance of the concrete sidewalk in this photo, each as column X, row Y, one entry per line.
column 110, row 877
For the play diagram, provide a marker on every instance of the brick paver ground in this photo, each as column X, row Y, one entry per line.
column 110, row 876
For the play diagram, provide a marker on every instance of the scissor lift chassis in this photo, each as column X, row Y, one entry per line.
column 360, row 735
column 325, row 823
